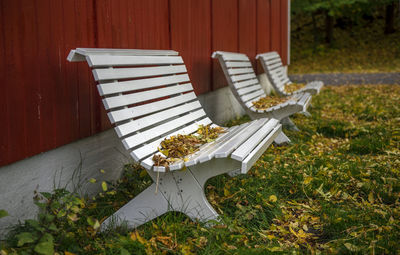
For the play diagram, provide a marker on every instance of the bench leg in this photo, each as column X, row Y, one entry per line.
column 143, row 208
column 281, row 139
column 306, row 113
column 288, row 123
column 181, row 191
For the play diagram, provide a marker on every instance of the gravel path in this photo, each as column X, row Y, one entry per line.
column 348, row 78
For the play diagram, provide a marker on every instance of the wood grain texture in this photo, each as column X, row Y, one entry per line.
column 263, row 28
column 248, row 28
column 191, row 36
column 224, row 34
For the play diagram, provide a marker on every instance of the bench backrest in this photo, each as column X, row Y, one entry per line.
column 275, row 71
column 147, row 94
column 241, row 77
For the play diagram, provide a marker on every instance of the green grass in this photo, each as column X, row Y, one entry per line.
column 361, row 49
column 335, row 189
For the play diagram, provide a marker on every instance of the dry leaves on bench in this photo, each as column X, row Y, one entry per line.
column 179, row 146
column 267, row 102
column 290, row 88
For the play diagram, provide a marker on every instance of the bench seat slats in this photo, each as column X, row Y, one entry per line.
column 238, row 139
column 140, row 110
column 243, row 150
column 100, row 61
column 151, row 133
column 136, row 125
column 123, row 100
column 132, row 85
column 261, row 147
column 130, row 73
column 150, row 148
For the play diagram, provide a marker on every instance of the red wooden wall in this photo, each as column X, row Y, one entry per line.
column 47, row 102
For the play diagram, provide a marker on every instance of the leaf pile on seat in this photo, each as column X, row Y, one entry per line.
column 268, row 101
column 177, row 147
column 290, row 88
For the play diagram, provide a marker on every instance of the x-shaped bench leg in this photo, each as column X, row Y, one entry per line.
column 181, row 191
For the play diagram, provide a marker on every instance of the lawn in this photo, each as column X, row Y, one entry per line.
column 334, row 189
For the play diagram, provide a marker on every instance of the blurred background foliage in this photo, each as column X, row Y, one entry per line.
column 345, row 36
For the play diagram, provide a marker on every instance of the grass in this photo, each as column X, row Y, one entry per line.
column 361, row 49
column 335, row 189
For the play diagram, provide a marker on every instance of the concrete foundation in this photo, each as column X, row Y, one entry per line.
column 75, row 163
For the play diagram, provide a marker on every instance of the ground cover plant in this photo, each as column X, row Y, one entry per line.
column 335, row 189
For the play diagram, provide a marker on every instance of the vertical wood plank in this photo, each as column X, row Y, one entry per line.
column 149, row 24
column 46, row 104
column 224, row 34
column 70, row 72
column 263, row 28
column 86, row 86
column 29, row 44
column 191, row 36
column 275, row 25
column 14, row 61
column 4, row 127
column 248, row 28
column 284, row 31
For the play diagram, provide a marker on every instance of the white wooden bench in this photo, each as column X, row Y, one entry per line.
column 246, row 88
column 273, row 67
column 148, row 96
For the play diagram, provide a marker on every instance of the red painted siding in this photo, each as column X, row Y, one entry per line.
column 224, row 34
column 49, row 102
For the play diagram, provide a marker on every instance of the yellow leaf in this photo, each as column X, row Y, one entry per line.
column 273, row 198
column 307, row 180
column 92, row 180
column 104, row 186
column 371, row 197
column 136, row 237
column 68, row 253
column 351, row 247
column 96, row 225
column 3, row 252
column 226, row 192
column 143, row 173
column 102, row 171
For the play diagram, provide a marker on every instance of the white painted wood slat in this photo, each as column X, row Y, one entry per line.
column 159, row 130
column 243, row 150
column 243, row 77
column 132, row 85
column 129, row 73
column 112, row 60
column 140, row 110
column 242, row 84
column 231, row 64
column 123, row 100
column 259, row 150
column 239, row 138
column 136, row 125
column 233, row 71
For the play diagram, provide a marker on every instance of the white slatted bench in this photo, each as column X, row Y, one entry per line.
column 148, row 97
column 273, row 67
column 246, row 88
